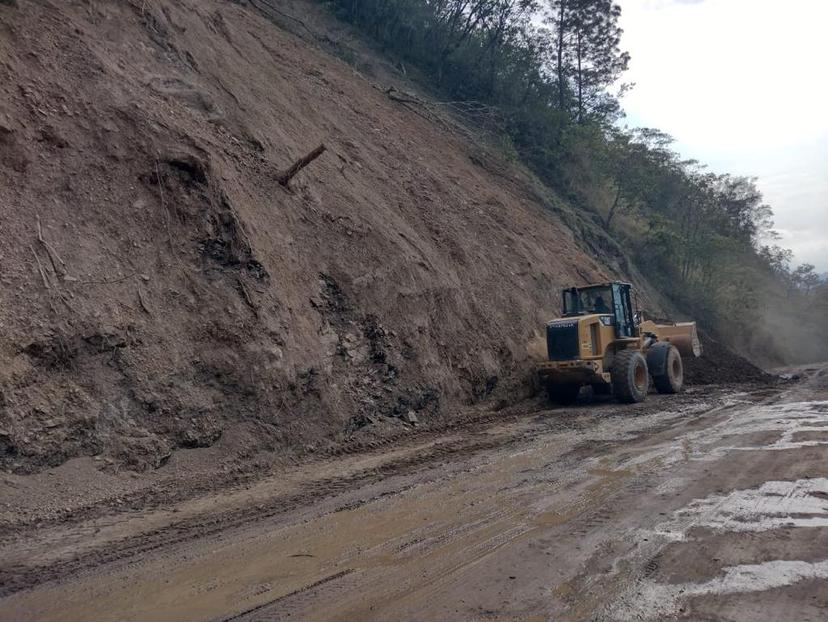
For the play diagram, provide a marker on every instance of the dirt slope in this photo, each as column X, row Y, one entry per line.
column 180, row 297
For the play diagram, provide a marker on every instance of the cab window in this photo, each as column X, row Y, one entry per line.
column 587, row 300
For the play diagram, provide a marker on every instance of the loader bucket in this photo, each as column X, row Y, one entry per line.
column 683, row 335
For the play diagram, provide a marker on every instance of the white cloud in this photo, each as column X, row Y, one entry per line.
column 740, row 85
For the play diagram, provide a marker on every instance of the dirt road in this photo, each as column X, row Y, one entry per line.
column 712, row 505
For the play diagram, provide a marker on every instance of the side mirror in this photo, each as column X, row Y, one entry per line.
column 638, row 318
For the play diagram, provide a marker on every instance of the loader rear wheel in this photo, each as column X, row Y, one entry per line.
column 630, row 378
column 562, row 394
column 664, row 361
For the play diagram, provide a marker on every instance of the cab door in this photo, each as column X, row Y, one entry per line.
column 622, row 309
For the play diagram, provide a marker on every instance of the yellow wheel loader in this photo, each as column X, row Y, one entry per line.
column 602, row 342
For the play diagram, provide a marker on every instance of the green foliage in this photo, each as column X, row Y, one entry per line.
column 496, row 51
column 551, row 70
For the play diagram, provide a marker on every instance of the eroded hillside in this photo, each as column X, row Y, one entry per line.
column 160, row 289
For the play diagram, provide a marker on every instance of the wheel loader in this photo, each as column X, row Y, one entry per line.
column 602, row 342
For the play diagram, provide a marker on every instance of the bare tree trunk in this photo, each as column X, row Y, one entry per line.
column 611, row 213
column 284, row 177
column 580, row 82
column 561, row 37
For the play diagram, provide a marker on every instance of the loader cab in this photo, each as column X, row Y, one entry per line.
column 607, row 299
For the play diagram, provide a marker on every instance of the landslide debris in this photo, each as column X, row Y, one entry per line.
column 720, row 365
column 181, row 297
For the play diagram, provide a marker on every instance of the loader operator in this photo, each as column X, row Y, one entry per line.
column 600, row 305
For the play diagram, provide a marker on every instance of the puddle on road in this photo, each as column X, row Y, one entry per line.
column 656, row 601
column 794, row 421
column 772, row 427
column 772, row 505
column 800, row 503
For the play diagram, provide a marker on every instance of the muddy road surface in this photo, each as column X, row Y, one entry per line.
column 711, row 505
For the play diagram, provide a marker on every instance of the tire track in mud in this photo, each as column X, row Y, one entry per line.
column 167, row 493
column 21, row 577
column 16, row 578
column 302, row 590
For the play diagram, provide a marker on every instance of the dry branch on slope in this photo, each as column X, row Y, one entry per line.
column 284, row 177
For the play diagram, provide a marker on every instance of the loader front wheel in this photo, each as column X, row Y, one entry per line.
column 562, row 394
column 664, row 362
column 630, row 378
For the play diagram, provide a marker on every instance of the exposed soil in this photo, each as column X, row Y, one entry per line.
column 177, row 294
column 719, row 364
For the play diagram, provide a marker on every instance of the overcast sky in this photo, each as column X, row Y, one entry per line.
column 743, row 87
